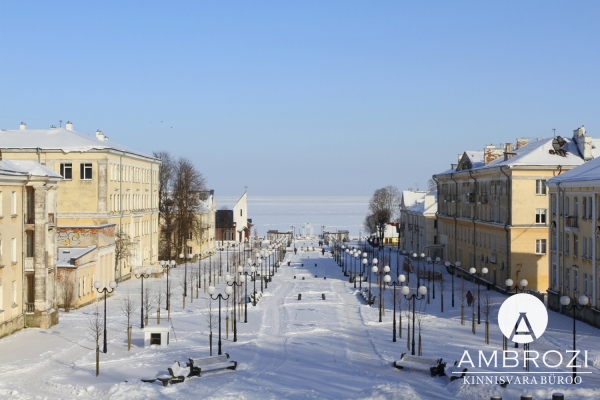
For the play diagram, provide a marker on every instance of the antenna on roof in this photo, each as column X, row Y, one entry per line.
column 60, row 123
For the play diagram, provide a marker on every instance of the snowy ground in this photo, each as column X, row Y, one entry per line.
column 312, row 348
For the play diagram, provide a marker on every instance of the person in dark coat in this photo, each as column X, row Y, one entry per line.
column 469, row 298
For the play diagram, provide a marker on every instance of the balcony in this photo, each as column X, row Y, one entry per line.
column 470, row 198
column 29, row 264
column 482, row 199
column 571, row 222
column 29, row 308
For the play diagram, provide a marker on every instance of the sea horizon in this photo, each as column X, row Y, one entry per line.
column 281, row 212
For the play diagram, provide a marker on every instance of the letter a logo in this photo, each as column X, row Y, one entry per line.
column 516, row 331
column 522, row 318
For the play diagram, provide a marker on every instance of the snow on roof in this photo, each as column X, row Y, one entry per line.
column 26, row 167
column 68, row 255
column 476, row 158
column 62, row 139
column 410, row 197
column 589, row 171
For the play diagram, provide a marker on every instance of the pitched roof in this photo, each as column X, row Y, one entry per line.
column 587, row 172
column 62, row 139
column 410, row 198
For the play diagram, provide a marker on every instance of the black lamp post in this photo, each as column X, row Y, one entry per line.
column 432, row 262
column 105, row 290
column 416, row 257
column 246, row 290
column 141, row 274
column 510, row 289
column 456, row 264
column 564, row 301
column 400, row 282
column 421, row 291
column 234, row 282
column 374, row 261
column 211, row 291
column 379, row 275
column 168, row 265
column 474, row 272
column 185, row 259
column 199, row 270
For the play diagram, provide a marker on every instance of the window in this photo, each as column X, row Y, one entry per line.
column 554, row 275
column 189, row 249
column 1, row 297
column 66, row 170
column 540, row 186
column 540, row 246
column 567, row 243
column 590, row 215
column 575, row 245
column 14, row 293
column 241, row 213
column 567, row 278
column 591, row 288
column 585, row 283
column 584, row 208
column 1, row 211
column 540, row 216
column 13, row 203
column 85, row 172
column 575, row 207
column 575, row 279
column 585, row 242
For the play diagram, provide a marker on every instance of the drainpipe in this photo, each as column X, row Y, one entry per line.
column 436, row 224
column 24, row 240
column 561, row 266
column 474, row 225
column 508, row 222
column 121, row 207
column 152, row 210
column 455, row 221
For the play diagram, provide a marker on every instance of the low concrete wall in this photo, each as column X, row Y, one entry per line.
column 588, row 315
column 11, row 326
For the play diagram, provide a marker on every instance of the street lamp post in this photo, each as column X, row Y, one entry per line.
column 167, row 265
column 141, row 274
column 228, row 291
column 399, row 282
column 432, row 262
column 510, row 289
column 185, row 259
column 474, row 272
column 379, row 275
column 564, row 301
column 233, row 284
column 374, row 270
column 421, row 291
column 105, row 290
column 199, row 270
column 456, row 264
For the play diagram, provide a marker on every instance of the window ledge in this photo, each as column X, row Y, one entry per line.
column 13, row 215
column 14, row 305
column 13, row 262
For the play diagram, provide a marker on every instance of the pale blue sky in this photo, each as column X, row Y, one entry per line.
column 304, row 97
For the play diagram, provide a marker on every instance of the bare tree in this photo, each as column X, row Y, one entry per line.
column 442, row 287
column 95, row 328
column 168, row 293
column 370, row 224
column 127, row 308
column 147, row 303
column 123, row 250
column 431, row 185
column 159, row 297
column 462, row 294
column 420, row 321
column 488, row 307
column 211, row 320
column 384, row 206
column 407, row 313
column 66, row 290
column 166, row 206
column 191, row 280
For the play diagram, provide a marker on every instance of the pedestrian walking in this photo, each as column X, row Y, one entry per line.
column 469, row 298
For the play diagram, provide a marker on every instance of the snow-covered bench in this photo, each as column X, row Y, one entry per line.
column 455, row 372
column 199, row 365
column 368, row 296
column 178, row 373
column 434, row 366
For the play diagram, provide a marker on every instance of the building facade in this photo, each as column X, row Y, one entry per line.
column 420, row 227
column 28, row 196
column 492, row 206
column 102, row 183
column 574, row 262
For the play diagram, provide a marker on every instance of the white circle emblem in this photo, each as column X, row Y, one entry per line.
column 522, row 318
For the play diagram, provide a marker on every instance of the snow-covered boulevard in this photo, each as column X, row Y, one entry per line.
column 329, row 348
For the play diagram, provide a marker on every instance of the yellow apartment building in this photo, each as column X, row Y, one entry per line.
column 27, row 250
column 492, row 206
column 102, row 183
column 574, row 263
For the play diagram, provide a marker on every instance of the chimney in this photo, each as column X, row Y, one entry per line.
column 99, row 135
column 522, row 142
column 23, row 126
column 53, row 127
column 69, row 126
column 584, row 143
column 491, row 152
column 508, row 152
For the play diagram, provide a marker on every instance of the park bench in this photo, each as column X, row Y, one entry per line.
column 368, row 297
column 455, row 372
column 199, row 365
column 434, row 366
column 178, row 373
